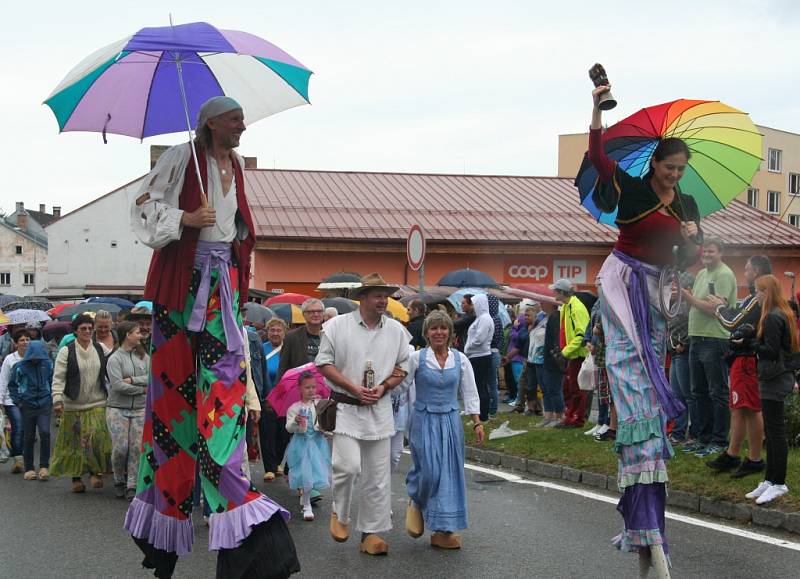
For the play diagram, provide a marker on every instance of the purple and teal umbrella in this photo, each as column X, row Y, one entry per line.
column 131, row 87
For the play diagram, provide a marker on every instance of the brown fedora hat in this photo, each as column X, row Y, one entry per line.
column 372, row 281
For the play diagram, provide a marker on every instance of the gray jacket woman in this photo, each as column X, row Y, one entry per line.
column 128, row 370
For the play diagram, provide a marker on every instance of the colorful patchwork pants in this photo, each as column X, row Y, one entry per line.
column 195, row 413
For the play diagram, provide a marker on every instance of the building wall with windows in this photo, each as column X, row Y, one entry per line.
column 775, row 188
column 23, row 262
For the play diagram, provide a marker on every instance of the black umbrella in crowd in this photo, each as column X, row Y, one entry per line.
column 67, row 313
column 257, row 313
column 428, row 298
column 342, row 305
column 28, row 304
column 341, row 280
column 467, row 278
column 7, row 299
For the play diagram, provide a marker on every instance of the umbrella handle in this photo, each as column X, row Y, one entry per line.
column 203, row 198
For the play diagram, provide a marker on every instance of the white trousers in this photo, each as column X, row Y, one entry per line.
column 367, row 460
column 396, row 449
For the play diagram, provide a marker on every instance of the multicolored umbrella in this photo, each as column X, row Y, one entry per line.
column 133, row 86
column 286, row 391
column 726, row 151
column 289, row 313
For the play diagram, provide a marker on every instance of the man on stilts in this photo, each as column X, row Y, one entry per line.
column 195, row 415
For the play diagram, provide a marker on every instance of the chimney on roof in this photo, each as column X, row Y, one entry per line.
column 155, row 152
column 42, row 208
column 22, row 220
column 56, row 211
column 20, row 206
column 251, row 162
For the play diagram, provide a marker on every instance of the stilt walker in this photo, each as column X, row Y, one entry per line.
column 654, row 218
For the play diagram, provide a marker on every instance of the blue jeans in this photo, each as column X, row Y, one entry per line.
column 15, row 417
column 709, row 376
column 680, row 380
column 552, row 393
column 34, row 419
column 494, row 385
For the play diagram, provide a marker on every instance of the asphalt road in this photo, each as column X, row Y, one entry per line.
column 516, row 530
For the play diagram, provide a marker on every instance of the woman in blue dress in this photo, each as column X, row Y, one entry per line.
column 436, row 483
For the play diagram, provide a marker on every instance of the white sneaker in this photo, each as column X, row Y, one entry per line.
column 772, row 493
column 592, row 431
column 308, row 514
column 759, row 490
column 603, row 429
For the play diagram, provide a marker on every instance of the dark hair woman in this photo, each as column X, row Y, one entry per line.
column 128, row 371
column 653, row 216
column 776, row 340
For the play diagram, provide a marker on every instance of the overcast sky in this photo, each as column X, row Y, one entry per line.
column 415, row 86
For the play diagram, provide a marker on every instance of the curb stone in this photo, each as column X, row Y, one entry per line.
column 690, row 501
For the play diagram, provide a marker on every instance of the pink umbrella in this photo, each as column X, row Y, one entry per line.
column 287, row 298
column 287, row 393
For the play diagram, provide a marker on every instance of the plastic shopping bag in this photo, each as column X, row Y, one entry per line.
column 586, row 375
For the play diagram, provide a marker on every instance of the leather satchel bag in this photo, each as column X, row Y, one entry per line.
column 326, row 415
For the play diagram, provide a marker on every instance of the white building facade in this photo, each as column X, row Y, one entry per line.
column 23, row 261
column 93, row 250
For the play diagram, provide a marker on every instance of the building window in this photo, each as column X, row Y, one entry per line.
column 27, row 279
column 752, row 197
column 794, row 183
column 18, row 249
column 794, row 219
column 5, row 278
column 775, row 160
column 773, row 201
column 113, row 244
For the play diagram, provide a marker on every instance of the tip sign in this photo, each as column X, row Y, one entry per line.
column 415, row 247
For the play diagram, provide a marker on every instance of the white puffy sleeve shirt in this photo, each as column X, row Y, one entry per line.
column 468, row 388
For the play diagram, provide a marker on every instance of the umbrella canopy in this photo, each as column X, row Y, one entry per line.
column 340, row 280
column 286, row 391
column 399, row 311
column 144, row 304
column 724, row 142
column 28, row 304
column 3, row 318
column 455, row 300
column 289, row 313
column 53, row 329
column 27, row 316
column 342, row 305
column 467, row 278
column 287, row 298
column 57, row 309
column 121, row 302
column 257, row 313
column 428, row 298
column 131, row 87
column 536, row 288
column 67, row 313
column 7, row 299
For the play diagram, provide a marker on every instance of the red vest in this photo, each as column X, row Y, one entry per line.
column 171, row 267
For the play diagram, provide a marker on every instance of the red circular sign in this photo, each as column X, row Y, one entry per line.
column 415, row 247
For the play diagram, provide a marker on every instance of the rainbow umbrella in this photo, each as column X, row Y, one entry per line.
column 153, row 82
column 725, row 145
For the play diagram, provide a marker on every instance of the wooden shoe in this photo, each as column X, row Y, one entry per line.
column 78, row 486
column 374, row 545
column 446, row 540
column 44, row 474
column 29, row 475
column 415, row 525
column 96, row 481
column 17, row 466
column 339, row 531
column 269, row 476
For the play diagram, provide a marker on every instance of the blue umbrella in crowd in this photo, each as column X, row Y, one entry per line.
column 121, row 302
column 67, row 313
column 467, row 278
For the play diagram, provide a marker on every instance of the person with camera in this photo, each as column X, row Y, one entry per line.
column 744, row 400
column 777, row 349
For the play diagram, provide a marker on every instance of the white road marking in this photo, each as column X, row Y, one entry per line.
column 611, row 500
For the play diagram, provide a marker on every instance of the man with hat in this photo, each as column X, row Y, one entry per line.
column 363, row 355
column 195, row 412
column 142, row 315
column 574, row 319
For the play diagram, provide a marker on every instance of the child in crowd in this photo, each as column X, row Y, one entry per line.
column 308, row 456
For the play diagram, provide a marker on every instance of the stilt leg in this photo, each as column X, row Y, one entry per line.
column 659, row 561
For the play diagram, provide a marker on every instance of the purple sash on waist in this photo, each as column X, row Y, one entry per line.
column 639, row 297
column 208, row 256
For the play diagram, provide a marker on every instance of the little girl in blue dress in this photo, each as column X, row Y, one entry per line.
column 308, row 456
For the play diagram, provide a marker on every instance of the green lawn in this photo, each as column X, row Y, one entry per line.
column 572, row 448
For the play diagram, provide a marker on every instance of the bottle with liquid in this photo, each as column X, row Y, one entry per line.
column 369, row 376
column 306, row 414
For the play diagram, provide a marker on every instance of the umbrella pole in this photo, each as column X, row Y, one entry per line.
column 203, row 198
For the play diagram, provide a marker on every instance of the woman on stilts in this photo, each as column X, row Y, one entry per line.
column 653, row 217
